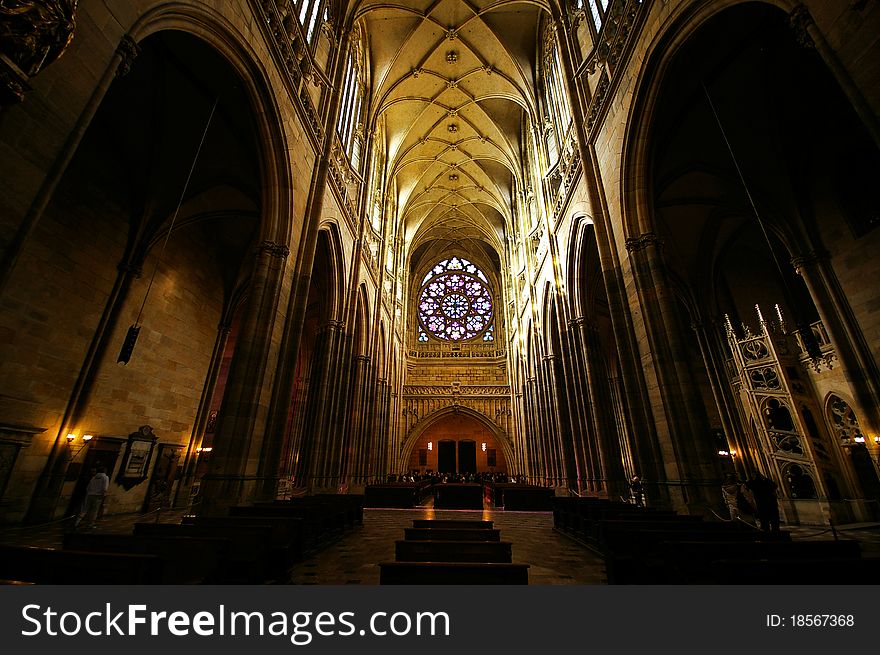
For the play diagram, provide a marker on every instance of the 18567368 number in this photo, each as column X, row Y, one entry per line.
column 822, row 620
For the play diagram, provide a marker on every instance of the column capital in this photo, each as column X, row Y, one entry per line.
column 641, row 242
column 274, row 249
column 810, row 258
column 800, row 20
column 132, row 269
column 128, row 50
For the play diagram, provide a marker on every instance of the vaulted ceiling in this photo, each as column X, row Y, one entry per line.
column 450, row 80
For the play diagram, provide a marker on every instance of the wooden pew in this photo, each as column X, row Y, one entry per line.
column 453, row 551
column 399, row 495
column 452, row 523
column 250, row 557
column 185, row 560
column 323, row 521
column 621, row 534
column 528, row 498
column 464, row 495
column 457, row 573
column 287, row 537
column 452, row 534
column 62, row 567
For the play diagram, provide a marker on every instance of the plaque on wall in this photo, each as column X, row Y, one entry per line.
column 136, row 462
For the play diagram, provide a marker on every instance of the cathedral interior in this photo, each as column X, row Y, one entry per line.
column 266, row 250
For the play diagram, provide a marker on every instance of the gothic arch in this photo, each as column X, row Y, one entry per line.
column 501, row 437
column 212, row 28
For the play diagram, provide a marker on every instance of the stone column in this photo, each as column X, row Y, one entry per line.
column 238, row 439
column 721, row 389
column 848, row 340
column 204, row 409
column 688, row 455
column 604, row 425
column 578, row 408
column 323, row 464
column 360, row 423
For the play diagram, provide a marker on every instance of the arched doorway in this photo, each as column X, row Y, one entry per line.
column 458, row 443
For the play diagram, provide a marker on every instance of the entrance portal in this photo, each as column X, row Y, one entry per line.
column 467, row 456
column 446, row 457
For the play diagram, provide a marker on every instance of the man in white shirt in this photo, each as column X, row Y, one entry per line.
column 95, row 492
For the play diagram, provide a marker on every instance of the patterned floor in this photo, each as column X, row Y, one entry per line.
column 553, row 558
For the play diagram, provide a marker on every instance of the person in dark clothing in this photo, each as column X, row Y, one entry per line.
column 764, row 491
column 638, row 493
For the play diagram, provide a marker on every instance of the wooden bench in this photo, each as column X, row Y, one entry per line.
column 458, row 496
column 453, row 551
column 452, row 534
column 677, row 557
column 185, row 560
column 528, row 498
column 399, row 495
column 287, row 537
column 346, row 510
column 622, row 534
column 457, row 573
column 250, row 557
column 62, row 567
column 452, row 523
column 323, row 522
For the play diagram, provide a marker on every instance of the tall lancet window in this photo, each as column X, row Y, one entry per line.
column 455, row 304
column 350, row 125
column 557, row 106
column 308, row 12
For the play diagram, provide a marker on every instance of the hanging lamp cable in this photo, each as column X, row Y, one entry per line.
column 746, row 188
column 133, row 330
column 806, row 332
column 176, row 212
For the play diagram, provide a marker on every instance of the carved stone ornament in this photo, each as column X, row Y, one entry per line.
column 800, row 21
column 32, row 36
column 128, row 50
column 275, row 249
column 634, row 244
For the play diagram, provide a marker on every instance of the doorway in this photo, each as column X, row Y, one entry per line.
column 446, row 456
column 467, row 456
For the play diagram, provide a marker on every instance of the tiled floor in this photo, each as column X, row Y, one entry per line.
column 552, row 557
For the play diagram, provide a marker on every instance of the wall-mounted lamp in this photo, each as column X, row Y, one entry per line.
column 483, row 446
column 207, row 449
column 877, row 440
column 430, row 445
column 727, row 453
column 88, row 437
column 859, row 439
column 70, row 437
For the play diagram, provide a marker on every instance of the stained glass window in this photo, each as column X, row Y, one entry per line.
column 455, row 303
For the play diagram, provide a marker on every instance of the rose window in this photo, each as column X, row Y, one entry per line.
column 454, row 302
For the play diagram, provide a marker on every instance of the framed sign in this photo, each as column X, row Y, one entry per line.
column 138, row 453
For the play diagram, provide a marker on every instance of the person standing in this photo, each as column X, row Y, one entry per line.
column 729, row 491
column 95, row 494
column 638, row 492
column 766, row 506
